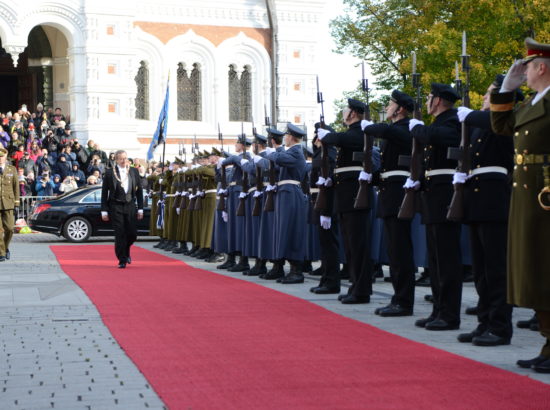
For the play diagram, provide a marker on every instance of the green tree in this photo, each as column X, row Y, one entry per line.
column 385, row 33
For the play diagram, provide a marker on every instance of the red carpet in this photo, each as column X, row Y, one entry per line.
column 205, row 341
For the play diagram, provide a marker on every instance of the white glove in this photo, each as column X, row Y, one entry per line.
column 178, row 211
column 178, row 193
column 160, row 181
column 219, row 164
column 365, row 124
column 410, row 184
column 514, row 77
column 225, row 217
column 257, row 159
column 270, row 150
column 201, row 194
column 365, row 176
column 244, row 161
column 325, row 221
column 321, row 181
column 191, row 196
column 185, row 193
column 328, row 182
column 270, row 188
column 414, row 122
column 257, row 193
column 242, row 195
column 460, row 178
column 222, row 191
column 322, row 133
column 463, row 113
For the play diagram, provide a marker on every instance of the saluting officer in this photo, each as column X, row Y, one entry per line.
column 442, row 235
column 9, row 200
column 529, row 223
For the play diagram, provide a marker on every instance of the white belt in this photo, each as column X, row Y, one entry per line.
column 385, row 175
column 288, row 181
column 443, row 171
column 252, row 189
column 232, row 183
column 313, row 190
column 211, row 191
column 347, row 169
column 170, row 195
column 487, row 170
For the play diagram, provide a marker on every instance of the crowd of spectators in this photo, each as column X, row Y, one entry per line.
column 49, row 159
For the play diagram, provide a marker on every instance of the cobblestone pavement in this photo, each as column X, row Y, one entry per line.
column 56, row 353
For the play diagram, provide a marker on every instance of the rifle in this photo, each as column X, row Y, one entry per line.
column 408, row 206
column 242, row 200
column 221, row 201
column 269, row 199
column 321, row 202
column 192, row 201
column 257, row 209
column 456, row 208
column 362, row 200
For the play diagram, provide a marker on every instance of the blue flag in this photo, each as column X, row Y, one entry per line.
column 160, row 134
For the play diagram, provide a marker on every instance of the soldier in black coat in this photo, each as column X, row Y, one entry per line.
column 487, row 193
column 442, row 236
column 396, row 142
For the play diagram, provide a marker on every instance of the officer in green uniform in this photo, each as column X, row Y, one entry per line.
column 9, row 199
column 529, row 222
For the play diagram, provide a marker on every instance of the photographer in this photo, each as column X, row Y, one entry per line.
column 81, row 154
column 68, row 185
column 96, row 165
column 63, row 166
column 78, row 175
column 44, row 186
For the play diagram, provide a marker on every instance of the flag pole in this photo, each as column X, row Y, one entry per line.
column 163, row 128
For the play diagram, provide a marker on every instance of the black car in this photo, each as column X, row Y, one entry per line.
column 77, row 216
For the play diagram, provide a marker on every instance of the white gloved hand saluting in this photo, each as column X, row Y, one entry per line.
column 365, row 176
column 365, row 124
column 460, row 178
column 514, row 77
column 410, row 184
column 463, row 112
column 414, row 122
column 322, row 133
column 326, row 221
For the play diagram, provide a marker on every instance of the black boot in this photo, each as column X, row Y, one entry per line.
column 159, row 243
column 215, row 258
column 182, row 248
column 171, row 246
column 306, row 267
column 277, row 271
column 195, row 251
column 254, row 270
column 206, row 253
column 164, row 243
column 230, row 262
column 295, row 275
column 190, row 250
column 241, row 266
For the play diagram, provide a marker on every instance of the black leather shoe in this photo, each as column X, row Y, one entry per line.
column 395, row 310
column 121, row 265
column 307, row 268
column 2, row 258
column 159, row 244
column 534, row 327
column 129, row 260
column 317, row 272
column 526, row 324
column 342, row 296
column 527, row 364
column 215, row 258
column 229, row 263
column 273, row 275
column 355, row 300
column 179, row 250
column 422, row 322
column 440, row 324
column 239, row 268
column 8, row 254
column 468, row 337
column 377, row 310
column 292, row 278
column 313, row 289
column 423, row 281
column 490, row 339
column 429, row 298
column 471, row 310
column 543, row 367
column 325, row 290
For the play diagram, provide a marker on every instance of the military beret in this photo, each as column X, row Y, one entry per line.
column 356, row 105
column 274, row 132
column 295, row 131
column 260, row 139
column 535, row 50
column 444, row 91
column 403, row 100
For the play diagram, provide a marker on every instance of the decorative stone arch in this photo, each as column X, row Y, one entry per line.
column 241, row 51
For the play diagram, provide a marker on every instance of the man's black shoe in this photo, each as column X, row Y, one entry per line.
column 423, row 281
column 239, row 268
column 325, row 290
column 490, row 339
column 121, row 265
column 317, row 272
column 440, row 324
column 355, row 300
column 468, row 337
column 422, row 322
column 527, row 364
column 307, row 268
column 179, row 250
column 273, row 275
column 2, row 258
column 377, row 310
column 215, row 258
column 8, row 254
column 158, row 245
column 471, row 310
column 526, row 324
column 543, row 367
column 195, row 253
column 534, row 327
column 204, row 253
column 395, row 310
column 312, row 290
column 342, row 296
column 429, row 298
column 292, row 278
column 191, row 251
column 129, row 260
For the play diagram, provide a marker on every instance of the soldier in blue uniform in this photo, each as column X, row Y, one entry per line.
column 219, row 238
column 290, row 204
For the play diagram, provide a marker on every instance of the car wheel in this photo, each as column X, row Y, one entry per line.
column 77, row 229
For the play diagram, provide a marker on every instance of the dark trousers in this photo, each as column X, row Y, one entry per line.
column 123, row 219
column 488, row 244
column 444, row 262
column 356, row 235
column 400, row 253
column 543, row 317
column 328, row 239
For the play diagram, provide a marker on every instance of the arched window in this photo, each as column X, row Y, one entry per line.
column 189, row 93
column 142, row 97
column 240, row 95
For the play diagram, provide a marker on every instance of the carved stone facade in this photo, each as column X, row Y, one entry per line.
column 93, row 72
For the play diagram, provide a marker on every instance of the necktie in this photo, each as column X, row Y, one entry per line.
column 1, row 170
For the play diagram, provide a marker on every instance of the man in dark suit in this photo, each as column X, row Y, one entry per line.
column 121, row 189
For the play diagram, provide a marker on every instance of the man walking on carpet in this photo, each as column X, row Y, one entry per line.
column 121, row 189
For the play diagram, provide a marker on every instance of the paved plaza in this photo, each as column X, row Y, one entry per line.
column 56, row 353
